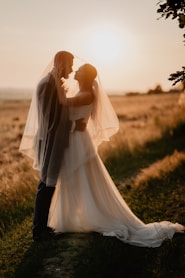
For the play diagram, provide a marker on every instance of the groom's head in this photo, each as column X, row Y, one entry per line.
column 63, row 62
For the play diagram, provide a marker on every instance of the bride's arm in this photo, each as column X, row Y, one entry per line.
column 83, row 98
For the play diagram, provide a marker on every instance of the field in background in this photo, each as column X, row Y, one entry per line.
column 146, row 155
column 144, row 118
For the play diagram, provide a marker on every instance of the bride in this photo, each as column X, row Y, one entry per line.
column 86, row 199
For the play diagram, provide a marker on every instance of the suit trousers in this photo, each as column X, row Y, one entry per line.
column 42, row 205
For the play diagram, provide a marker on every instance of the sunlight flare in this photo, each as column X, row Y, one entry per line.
column 106, row 44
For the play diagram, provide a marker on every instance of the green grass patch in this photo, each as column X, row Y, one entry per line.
column 15, row 214
column 126, row 164
column 159, row 199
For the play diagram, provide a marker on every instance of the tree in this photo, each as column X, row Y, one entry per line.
column 176, row 10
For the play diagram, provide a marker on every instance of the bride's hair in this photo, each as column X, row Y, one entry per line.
column 90, row 73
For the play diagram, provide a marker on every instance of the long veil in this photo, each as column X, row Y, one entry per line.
column 46, row 132
column 46, row 147
column 103, row 122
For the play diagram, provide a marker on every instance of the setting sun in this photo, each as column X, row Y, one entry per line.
column 106, row 44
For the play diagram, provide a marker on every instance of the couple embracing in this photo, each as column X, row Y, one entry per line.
column 67, row 121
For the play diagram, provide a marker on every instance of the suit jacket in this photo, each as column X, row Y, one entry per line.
column 53, row 128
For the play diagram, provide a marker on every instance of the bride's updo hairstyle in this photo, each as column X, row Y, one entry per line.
column 90, row 73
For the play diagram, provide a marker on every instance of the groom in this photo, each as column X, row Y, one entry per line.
column 54, row 126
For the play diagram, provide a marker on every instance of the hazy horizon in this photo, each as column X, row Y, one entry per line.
column 10, row 93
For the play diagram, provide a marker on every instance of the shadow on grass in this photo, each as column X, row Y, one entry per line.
column 33, row 259
column 126, row 164
column 108, row 257
column 94, row 256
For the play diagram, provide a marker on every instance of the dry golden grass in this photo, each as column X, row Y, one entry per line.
column 17, row 177
column 160, row 168
column 143, row 118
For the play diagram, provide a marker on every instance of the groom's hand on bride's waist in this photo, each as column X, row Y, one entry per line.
column 80, row 125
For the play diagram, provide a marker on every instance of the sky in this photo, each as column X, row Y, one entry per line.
column 131, row 48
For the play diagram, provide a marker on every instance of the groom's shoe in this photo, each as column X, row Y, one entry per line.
column 44, row 234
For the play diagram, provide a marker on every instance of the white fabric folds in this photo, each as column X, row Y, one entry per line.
column 86, row 199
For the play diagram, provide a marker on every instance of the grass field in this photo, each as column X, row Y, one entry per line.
column 146, row 160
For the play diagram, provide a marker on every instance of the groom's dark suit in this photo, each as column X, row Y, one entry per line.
column 53, row 121
column 55, row 124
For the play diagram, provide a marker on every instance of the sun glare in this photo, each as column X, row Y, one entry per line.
column 105, row 45
column 109, row 47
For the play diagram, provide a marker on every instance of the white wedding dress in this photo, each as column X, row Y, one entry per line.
column 86, row 199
